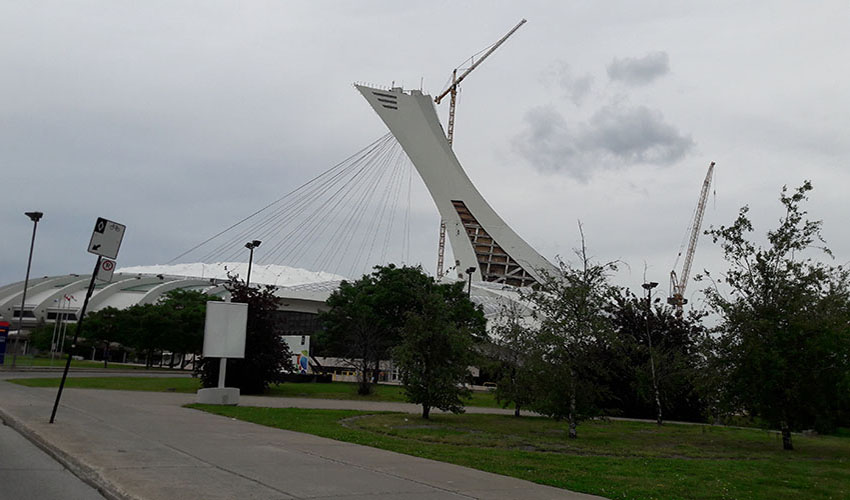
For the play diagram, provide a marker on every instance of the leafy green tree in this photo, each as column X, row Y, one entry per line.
column 569, row 306
column 102, row 328
column 41, row 336
column 436, row 349
column 140, row 327
column 183, row 314
column 784, row 341
column 676, row 345
column 267, row 357
column 366, row 316
column 513, row 338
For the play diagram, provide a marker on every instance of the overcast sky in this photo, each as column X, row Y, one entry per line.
column 178, row 118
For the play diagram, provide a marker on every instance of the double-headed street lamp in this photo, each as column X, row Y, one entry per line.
column 251, row 245
column 34, row 217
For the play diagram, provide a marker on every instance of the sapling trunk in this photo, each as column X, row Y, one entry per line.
column 572, row 418
column 786, row 437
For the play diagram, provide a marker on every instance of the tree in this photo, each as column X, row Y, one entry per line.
column 366, row 316
column 101, row 327
column 785, row 340
column 513, row 338
column 183, row 314
column 267, row 357
column 436, row 347
column 42, row 335
column 140, row 327
column 676, row 346
column 569, row 306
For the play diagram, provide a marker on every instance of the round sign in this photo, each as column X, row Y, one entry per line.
column 108, row 265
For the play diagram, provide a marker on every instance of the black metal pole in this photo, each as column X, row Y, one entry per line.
column 469, row 273
column 76, row 336
column 250, row 261
column 24, row 295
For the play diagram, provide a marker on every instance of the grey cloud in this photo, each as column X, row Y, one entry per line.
column 614, row 137
column 575, row 87
column 639, row 71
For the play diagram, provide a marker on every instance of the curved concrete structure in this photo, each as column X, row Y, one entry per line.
column 45, row 299
column 479, row 237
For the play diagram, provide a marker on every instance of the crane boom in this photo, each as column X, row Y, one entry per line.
column 456, row 81
column 452, row 90
column 677, row 286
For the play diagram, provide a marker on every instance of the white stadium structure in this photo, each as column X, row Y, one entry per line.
column 480, row 240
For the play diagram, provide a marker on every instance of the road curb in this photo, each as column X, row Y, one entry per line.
column 83, row 471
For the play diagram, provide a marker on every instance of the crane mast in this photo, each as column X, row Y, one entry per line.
column 450, row 129
column 678, row 284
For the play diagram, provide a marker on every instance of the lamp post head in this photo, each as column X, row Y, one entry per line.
column 649, row 286
column 252, row 244
column 470, row 270
column 34, row 216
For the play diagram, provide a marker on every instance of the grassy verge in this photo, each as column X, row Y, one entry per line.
column 154, row 384
column 335, row 390
column 613, row 459
column 59, row 362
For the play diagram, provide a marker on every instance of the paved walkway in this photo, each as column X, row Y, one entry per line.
column 27, row 472
column 137, row 445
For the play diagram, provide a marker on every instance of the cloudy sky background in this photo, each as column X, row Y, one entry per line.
column 179, row 118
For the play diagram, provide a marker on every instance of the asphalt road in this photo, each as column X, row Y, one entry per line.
column 26, row 472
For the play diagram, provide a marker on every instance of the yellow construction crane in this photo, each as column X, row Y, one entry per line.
column 678, row 284
column 452, row 91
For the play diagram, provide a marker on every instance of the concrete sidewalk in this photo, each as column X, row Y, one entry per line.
column 138, row 445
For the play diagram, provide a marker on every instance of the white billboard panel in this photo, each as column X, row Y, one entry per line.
column 224, row 331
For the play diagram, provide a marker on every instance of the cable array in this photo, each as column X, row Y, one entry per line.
column 345, row 220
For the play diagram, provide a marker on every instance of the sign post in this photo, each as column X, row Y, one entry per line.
column 105, row 242
column 224, row 337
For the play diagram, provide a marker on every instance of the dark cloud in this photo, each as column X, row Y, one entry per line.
column 614, row 137
column 639, row 71
column 575, row 87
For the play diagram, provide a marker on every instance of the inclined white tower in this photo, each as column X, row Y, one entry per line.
column 479, row 237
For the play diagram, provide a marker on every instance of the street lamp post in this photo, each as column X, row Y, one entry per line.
column 251, row 245
column 469, row 272
column 34, row 217
column 648, row 287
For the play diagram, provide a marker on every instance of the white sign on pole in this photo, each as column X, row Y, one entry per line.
column 107, row 267
column 106, row 238
column 224, row 331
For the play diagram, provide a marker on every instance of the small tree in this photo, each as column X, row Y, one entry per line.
column 676, row 343
column 513, row 339
column 569, row 306
column 365, row 318
column 266, row 355
column 436, row 348
column 102, row 327
column 784, row 340
column 183, row 314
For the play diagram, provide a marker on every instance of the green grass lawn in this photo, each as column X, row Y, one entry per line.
column 613, row 459
column 334, row 390
column 155, row 384
column 59, row 362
